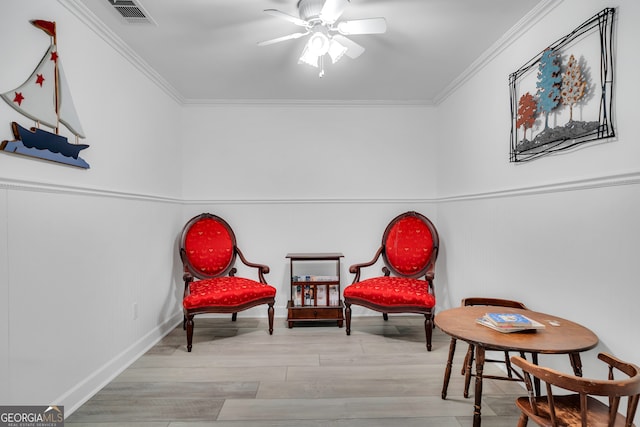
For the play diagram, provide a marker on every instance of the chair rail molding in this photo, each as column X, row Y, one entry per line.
column 23, row 185
column 631, row 178
column 614, row 180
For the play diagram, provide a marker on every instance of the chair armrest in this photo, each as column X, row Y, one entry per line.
column 583, row 385
column 355, row 268
column 262, row 268
column 187, row 277
column 431, row 273
column 613, row 362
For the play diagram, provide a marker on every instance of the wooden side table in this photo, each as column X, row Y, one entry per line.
column 315, row 288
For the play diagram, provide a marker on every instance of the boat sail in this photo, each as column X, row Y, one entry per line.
column 45, row 98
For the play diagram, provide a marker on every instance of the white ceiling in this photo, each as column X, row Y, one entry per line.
column 206, row 50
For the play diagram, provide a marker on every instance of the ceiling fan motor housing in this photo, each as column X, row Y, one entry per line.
column 310, row 9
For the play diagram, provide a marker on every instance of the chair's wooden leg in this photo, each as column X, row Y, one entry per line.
column 385, row 316
column 463, row 370
column 234, row 317
column 507, row 363
column 428, row 329
column 536, row 381
column 189, row 320
column 523, row 420
column 347, row 317
column 270, row 316
column 447, row 371
column 468, row 372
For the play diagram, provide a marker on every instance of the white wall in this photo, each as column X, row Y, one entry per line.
column 81, row 247
column 308, row 178
column 309, row 152
column 559, row 233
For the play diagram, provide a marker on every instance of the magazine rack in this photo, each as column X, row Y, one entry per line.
column 315, row 288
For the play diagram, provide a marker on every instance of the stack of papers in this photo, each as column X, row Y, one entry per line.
column 508, row 322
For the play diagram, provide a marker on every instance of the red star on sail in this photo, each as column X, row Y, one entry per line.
column 40, row 80
column 18, row 98
column 54, row 56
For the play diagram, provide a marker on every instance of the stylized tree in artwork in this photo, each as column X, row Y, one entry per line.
column 548, row 84
column 526, row 112
column 573, row 85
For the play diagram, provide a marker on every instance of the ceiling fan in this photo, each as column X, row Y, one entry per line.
column 319, row 19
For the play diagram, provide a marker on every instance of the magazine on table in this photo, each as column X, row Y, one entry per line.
column 509, row 322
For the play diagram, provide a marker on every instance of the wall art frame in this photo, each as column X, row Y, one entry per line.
column 565, row 104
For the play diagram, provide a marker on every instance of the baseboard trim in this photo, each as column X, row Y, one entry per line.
column 84, row 390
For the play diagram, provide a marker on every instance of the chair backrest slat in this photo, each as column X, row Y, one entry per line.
column 584, row 409
column 632, row 406
column 552, row 406
column 492, row 301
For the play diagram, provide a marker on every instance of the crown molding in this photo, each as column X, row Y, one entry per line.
column 534, row 16
column 231, row 103
column 97, row 26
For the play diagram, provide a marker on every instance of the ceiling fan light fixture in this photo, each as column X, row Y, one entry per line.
column 308, row 57
column 336, row 50
column 320, row 19
column 318, row 43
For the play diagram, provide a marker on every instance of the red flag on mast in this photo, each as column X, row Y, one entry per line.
column 48, row 27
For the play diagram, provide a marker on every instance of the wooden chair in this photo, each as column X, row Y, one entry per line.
column 579, row 408
column 409, row 249
column 208, row 251
column 467, row 370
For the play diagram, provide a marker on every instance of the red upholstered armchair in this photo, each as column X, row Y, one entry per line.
column 409, row 249
column 208, row 251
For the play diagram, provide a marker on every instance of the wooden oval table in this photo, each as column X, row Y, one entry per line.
column 560, row 336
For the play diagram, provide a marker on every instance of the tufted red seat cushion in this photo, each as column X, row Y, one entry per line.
column 392, row 291
column 226, row 291
column 409, row 245
column 209, row 246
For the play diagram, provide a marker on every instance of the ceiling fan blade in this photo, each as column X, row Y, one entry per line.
column 363, row 26
column 353, row 49
column 332, row 10
column 283, row 38
column 287, row 17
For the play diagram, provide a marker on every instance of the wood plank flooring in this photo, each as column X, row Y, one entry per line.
column 313, row 375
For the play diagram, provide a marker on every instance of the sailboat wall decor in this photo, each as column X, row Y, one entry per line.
column 46, row 99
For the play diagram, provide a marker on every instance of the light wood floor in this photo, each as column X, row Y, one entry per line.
column 310, row 376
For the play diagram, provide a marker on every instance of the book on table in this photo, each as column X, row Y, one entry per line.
column 508, row 319
column 509, row 322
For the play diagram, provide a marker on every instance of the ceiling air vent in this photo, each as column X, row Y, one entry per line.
column 131, row 11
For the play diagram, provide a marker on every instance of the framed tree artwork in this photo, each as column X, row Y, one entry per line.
column 563, row 97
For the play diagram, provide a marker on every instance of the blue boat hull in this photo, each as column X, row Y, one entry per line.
column 44, row 145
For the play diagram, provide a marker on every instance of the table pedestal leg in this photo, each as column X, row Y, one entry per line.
column 478, row 397
column 576, row 363
column 447, row 371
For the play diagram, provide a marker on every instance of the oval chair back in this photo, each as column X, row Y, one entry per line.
column 410, row 244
